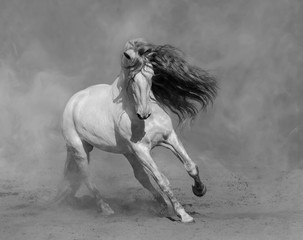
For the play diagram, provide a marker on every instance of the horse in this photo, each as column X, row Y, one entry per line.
column 132, row 116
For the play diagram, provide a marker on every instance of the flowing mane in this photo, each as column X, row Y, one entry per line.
column 177, row 85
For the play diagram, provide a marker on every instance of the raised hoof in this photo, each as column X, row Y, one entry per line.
column 105, row 209
column 199, row 191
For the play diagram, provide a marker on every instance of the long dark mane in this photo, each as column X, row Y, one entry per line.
column 177, row 85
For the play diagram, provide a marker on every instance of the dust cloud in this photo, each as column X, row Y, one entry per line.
column 51, row 49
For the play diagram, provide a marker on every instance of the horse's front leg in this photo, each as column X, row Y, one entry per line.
column 142, row 176
column 142, row 153
column 175, row 145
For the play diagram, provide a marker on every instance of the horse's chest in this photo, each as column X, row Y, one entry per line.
column 138, row 131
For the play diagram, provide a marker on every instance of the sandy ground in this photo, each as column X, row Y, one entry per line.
column 233, row 208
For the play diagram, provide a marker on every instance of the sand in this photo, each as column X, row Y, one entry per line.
column 233, row 208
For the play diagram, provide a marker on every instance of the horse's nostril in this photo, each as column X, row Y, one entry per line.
column 143, row 118
column 139, row 116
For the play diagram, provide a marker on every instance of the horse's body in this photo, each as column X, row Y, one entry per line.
column 123, row 118
column 97, row 115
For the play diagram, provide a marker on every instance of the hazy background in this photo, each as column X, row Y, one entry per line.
column 49, row 49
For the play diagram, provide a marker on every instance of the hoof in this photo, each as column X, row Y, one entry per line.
column 188, row 220
column 185, row 217
column 199, row 191
column 105, row 209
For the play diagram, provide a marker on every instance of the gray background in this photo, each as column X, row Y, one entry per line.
column 248, row 145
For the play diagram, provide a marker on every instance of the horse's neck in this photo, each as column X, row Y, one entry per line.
column 119, row 90
column 120, row 94
column 118, row 86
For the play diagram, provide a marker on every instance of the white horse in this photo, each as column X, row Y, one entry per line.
column 129, row 117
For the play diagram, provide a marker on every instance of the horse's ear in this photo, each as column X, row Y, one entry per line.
column 146, row 51
column 134, row 43
column 151, row 54
column 138, row 40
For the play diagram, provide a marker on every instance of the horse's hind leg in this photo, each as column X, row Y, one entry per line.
column 81, row 157
column 71, row 180
column 145, row 181
column 76, row 172
column 174, row 144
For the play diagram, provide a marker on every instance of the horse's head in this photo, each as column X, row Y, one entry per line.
column 138, row 73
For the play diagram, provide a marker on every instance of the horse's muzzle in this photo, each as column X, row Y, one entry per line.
column 143, row 117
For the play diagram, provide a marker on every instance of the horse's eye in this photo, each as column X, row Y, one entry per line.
column 141, row 51
column 126, row 55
